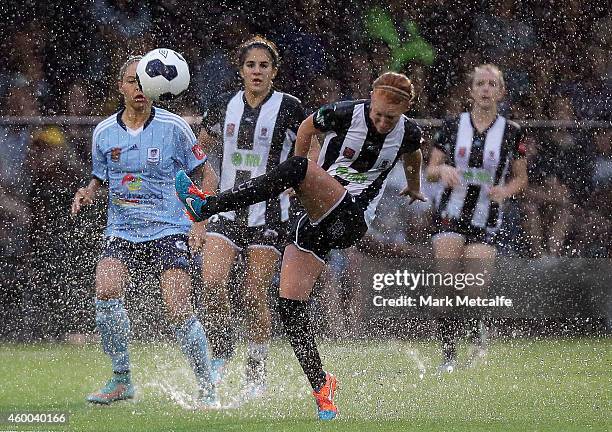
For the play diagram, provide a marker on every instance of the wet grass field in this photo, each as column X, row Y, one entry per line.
column 524, row 385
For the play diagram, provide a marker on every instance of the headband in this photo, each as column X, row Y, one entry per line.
column 395, row 90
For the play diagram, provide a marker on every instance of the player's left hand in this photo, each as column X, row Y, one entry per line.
column 197, row 237
column 498, row 194
column 414, row 195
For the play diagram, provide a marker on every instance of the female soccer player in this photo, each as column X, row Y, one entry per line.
column 363, row 141
column 257, row 127
column 137, row 153
column 473, row 157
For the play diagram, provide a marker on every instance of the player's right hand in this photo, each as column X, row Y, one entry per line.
column 83, row 196
column 449, row 176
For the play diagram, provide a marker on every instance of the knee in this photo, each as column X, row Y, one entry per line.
column 105, row 292
column 178, row 313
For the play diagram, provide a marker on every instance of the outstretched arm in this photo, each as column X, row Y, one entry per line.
column 85, row 195
column 412, row 169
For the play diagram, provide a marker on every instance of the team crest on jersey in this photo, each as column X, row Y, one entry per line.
column 153, row 155
column 348, row 153
column 522, row 148
column 229, row 131
column 115, row 154
column 384, row 164
column 491, row 155
column 198, row 152
column 461, row 151
column 264, row 132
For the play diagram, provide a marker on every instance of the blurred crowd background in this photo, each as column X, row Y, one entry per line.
column 62, row 58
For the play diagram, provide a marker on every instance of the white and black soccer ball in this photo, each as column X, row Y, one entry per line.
column 163, row 74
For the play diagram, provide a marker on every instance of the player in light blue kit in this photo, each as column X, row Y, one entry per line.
column 137, row 153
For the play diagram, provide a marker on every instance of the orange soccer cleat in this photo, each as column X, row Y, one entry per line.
column 325, row 398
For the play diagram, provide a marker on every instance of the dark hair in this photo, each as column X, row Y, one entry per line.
column 397, row 87
column 258, row 42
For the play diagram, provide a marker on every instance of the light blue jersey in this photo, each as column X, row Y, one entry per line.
column 139, row 167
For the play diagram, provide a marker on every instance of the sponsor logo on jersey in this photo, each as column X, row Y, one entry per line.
column 319, row 117
column 230, row 129
column 246, row 159
column 133, row 197
column 153, row 155
column 181, row 245
column 348, row 153
column 353, row 177
column 198, row 152
column 478, row 176
column 522, row 148
column 115, row 154
column 461, row 151
column 132, row 182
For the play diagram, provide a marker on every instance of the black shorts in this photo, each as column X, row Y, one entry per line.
column 340, row 229
column 155, row 256
column 470, row 233
column 242, row 236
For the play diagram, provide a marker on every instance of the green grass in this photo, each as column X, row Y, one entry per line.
column 549, row 385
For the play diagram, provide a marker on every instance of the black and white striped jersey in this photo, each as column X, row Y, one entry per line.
column 483, row 160
column 357, row 155
column 254, row 141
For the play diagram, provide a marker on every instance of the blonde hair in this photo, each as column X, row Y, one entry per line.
column 397, row 86
column 490, row 67
column 128, row 62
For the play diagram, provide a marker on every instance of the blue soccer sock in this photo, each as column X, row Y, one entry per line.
column 192, row 340
column 114, row 327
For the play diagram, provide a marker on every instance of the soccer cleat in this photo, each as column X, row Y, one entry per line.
column 325, row 398
column 192, row 198
column 255, row 379
column 448, row 366
column 115, row 389
column 208, row 399
column 217, row 371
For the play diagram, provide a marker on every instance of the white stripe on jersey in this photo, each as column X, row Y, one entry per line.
column 492, row 150
column 191, row 136
column 463, row 149
column 287, row 146
column 266, row 120
column 180, row 121
column 104, row 124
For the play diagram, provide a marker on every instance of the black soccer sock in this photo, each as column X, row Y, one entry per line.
column 447, row 335
column 294, row 315
column 269, row 185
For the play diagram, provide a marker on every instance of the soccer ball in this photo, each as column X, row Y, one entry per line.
column 162, row 74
